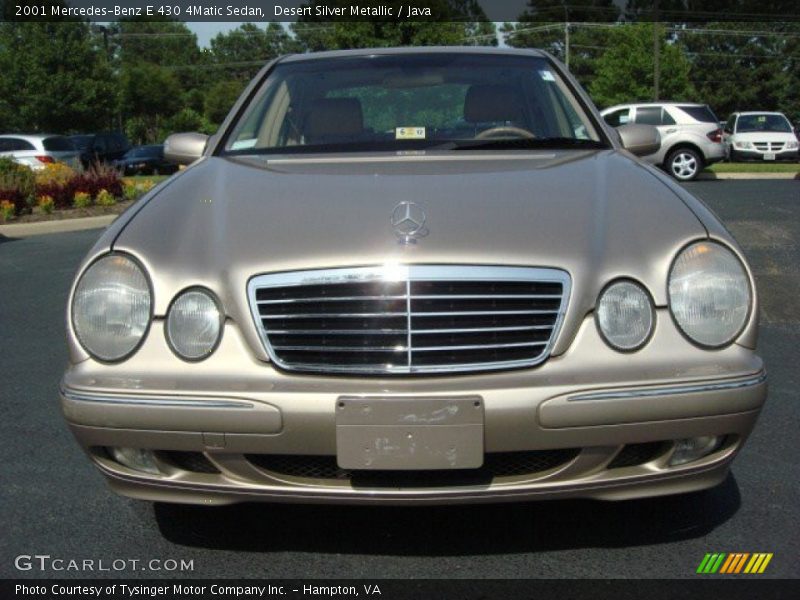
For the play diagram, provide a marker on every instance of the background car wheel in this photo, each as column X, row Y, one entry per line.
column 684, row 164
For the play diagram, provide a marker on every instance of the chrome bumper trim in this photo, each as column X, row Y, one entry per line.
column 154, row 401
column 674, row 390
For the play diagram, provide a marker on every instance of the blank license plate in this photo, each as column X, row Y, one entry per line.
column 409, row 433
column 769, row 156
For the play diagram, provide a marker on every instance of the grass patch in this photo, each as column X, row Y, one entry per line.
column 754, row 167
column 139, row 178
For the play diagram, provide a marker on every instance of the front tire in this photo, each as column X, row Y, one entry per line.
column 684, row 164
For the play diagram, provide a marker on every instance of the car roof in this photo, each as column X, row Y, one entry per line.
column 31, row 137
column 491, row 50
column 759, row 112
column 643, row 104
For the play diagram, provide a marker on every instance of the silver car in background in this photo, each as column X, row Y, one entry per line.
column 36, row 151
column 691, row 138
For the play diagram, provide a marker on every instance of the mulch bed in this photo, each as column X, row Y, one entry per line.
column 70, row 213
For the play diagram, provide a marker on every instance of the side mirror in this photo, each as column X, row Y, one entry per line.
column 640, row 140
column 185, row 148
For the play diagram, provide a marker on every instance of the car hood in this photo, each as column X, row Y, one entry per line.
column 598, row 215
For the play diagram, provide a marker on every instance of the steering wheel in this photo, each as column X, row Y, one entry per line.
column 505, row 131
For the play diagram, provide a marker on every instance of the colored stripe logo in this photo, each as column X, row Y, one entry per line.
column 734, row 563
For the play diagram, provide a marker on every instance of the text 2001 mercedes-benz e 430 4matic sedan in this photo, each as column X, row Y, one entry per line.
column 413, row 276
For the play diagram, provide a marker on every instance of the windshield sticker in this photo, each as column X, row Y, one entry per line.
column 762, row 119
column 547, row 75
column 409, row 133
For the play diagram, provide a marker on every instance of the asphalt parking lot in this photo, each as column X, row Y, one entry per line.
column 52, row 501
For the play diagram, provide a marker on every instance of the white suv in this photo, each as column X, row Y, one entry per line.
column 691, row 137
column 36, row 151
column 760, row 136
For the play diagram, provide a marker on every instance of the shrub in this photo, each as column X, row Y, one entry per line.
column 7, row 210
column 56, row 180
column 129, row 190
column 46, row 204
column 105, row 198
column 17, row 185
column 82, row 200
column 146, row 185
column 54, row 174
column 99, row 177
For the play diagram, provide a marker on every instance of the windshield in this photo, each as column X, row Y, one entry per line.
column 412, row 102
column 772, row 123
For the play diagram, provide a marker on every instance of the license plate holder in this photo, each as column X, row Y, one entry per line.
column 769, row 156
column 427, row 433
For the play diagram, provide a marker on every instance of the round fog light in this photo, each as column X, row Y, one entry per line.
column 691, row 449
column 136, row 459
column 625, row 316
column 194, row 324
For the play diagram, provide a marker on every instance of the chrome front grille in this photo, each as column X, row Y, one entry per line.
column 768, row 146
column 400, row 319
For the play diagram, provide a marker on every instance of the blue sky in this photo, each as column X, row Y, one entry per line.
column 206, row 31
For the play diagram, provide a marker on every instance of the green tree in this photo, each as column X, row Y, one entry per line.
column 745, row 66
column 624, row 73
column 587, row 37
column 53, row 77
column 220, row 98
column 162, row 71
column 241, row 52
column 460, row 22
column 150, row 94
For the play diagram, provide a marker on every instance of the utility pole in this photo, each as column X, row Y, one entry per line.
column 656, row 54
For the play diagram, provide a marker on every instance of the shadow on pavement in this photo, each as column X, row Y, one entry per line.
column 450, row 530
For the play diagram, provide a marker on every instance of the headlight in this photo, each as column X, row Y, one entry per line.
column 709, row 294
column 743, row 145
column 111, row 307
column 625, row 315
column 792, row 145
column 194, row 324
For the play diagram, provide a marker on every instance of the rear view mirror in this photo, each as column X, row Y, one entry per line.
column 640, row 140
column 185, row 148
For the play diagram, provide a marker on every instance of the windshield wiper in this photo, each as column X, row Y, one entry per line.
column 550, row 143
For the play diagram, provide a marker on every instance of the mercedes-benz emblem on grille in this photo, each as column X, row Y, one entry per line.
column 408, row 222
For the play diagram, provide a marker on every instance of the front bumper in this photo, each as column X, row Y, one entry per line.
column 756, row 155
column 588, row 423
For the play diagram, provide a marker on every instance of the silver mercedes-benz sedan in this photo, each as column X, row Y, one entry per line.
column 413, row 276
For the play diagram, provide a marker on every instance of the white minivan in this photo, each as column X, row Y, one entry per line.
column 759, row 136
